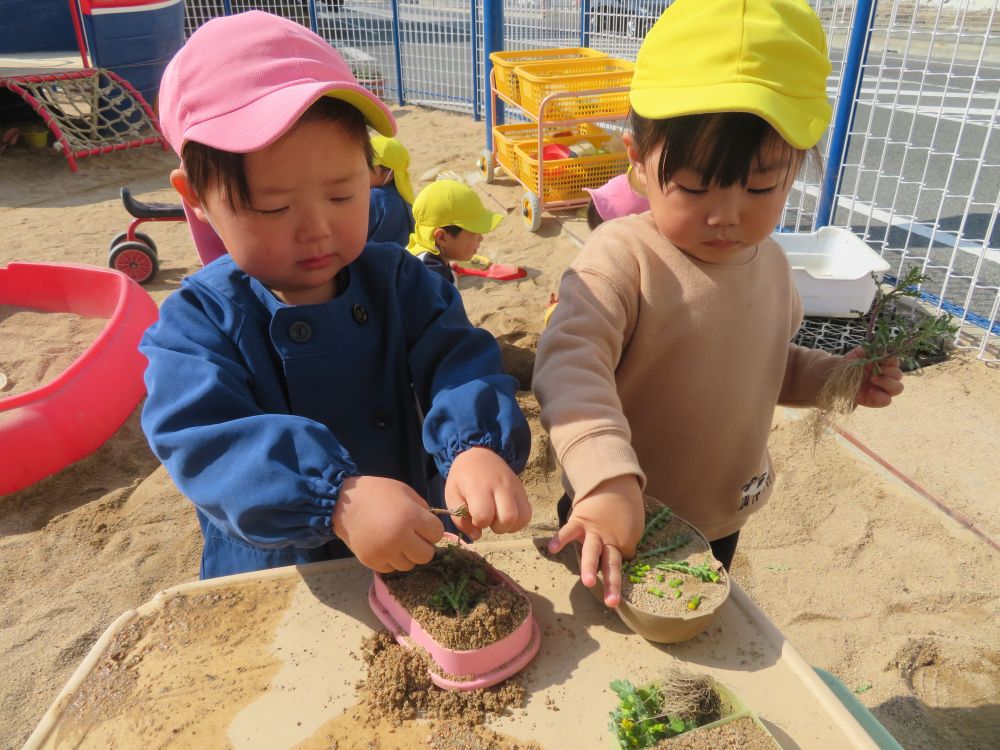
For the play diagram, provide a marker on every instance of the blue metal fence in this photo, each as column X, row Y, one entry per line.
column 912, row 160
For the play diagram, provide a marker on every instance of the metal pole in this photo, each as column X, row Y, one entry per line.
column 227, row 7
column 492, row 42
column 81, row 44
column 474, row 27
column 855, row 57
column 312, row 17
column 584, row 23
column 398, row 50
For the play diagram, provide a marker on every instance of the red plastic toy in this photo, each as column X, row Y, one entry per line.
column 44, row 430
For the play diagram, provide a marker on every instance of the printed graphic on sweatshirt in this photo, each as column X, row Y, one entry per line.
column 751, row 491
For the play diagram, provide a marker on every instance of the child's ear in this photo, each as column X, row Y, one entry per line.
column 638, row 167
column 179, row 179
column 439, row 236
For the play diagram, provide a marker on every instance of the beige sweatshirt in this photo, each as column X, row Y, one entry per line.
column 659, row 365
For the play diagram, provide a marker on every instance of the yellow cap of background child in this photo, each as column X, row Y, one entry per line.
column 389, row 152
column 448, row 203
column 765, row 57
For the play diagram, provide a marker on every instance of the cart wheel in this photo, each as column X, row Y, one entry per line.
column 137, row 260
column 120, row 238
column 531, row 211
column 487, row 166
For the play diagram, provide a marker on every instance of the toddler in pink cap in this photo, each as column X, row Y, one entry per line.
column 300, row 383
column 616, row 198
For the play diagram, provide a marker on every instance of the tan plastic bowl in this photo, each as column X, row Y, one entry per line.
column 665, row 628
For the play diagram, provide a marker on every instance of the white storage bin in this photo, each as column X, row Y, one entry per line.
column 833, row 271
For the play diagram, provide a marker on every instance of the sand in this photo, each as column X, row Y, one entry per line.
column 868, row 579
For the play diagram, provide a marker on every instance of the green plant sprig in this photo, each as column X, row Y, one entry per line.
column 662, row 517
column 676, row 543
column 454, row 597
column 703, row 572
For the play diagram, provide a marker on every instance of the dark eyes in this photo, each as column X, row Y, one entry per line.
column 702, row 191
column 278, row 211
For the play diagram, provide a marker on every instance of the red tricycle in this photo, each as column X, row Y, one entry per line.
column 134, row 253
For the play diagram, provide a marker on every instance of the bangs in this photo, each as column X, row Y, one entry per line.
column 725, row 149
column 206, row 165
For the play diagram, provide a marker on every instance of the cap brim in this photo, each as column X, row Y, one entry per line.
column 485, row 223
column 801, row 122
column 262, row 122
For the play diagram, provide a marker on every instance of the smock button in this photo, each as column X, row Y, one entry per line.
column 382, row 419
column 300, row 332
column 360, row 314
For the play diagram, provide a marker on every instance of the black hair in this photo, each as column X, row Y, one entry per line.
column 594, row 219
column 205, row 165
column 453, row 229
column 724, row 147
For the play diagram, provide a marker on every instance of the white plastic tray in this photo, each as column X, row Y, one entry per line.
column 274, row 678
column 833, row 271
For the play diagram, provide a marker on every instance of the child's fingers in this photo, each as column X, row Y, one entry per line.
column 590, row 559
column 890, row 385
column 889, row 362
column 482, row 508
column 611, row 571
column 379, row 566
column 429, row 528
column 465, row 526
column 573, row 531
column 513, row 512
column 417, row 551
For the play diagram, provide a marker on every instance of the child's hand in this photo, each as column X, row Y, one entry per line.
column 878, row 390
column 385, row 523
column 480, row 480
column 609, row 522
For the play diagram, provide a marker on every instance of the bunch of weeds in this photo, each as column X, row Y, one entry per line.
column 676, row 703
column 884, row 338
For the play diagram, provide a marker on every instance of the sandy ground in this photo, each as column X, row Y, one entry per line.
column 868, row 579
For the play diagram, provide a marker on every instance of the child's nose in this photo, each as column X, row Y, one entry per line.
column 314, row 224
column 725, row 211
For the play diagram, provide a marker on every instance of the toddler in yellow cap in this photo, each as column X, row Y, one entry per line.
column 449, row 223
column 661, row 367
column 390, row 216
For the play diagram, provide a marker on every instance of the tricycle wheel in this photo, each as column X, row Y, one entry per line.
column 120, row 238
column 531, row 211
column 137, row 260
column 487, row 166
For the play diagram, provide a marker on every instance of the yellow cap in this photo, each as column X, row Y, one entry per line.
column 448, row 203
column 389, row 152
column 765, row 57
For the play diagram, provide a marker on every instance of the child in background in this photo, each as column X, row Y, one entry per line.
column 390, row 216
column 450, row 222
column 297, row 383
column 619, row 196
column 661, row 367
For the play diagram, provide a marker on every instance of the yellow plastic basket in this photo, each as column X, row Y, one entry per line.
column 539, row 80
column 504, row 64
column 565, row 179
column 507, row 136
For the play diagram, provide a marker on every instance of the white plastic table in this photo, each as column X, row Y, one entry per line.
column 277, row 658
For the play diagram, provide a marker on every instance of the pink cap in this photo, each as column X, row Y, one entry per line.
column 616, row 198
column 240, row 82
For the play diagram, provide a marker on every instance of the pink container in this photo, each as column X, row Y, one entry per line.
column 487, row 666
